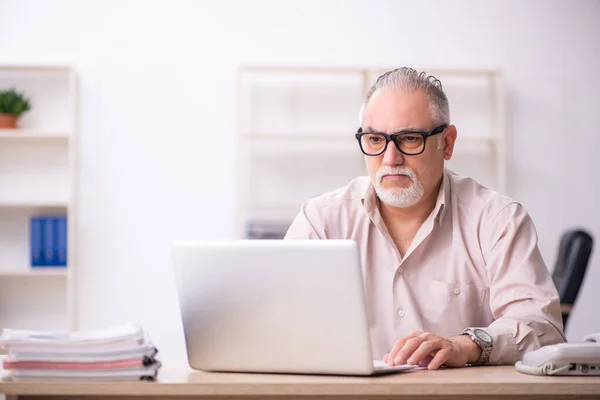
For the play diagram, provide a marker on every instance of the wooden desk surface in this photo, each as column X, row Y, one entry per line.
column 491, row 382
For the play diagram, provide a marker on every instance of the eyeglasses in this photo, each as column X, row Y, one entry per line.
column 411, row 143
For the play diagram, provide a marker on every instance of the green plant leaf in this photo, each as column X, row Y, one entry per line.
column 13, row 102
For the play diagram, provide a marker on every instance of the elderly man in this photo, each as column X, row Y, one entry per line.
column 452, row 271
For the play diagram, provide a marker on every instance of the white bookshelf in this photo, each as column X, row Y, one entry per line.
column 32, row 134
column 38, row 176
column 295, row 134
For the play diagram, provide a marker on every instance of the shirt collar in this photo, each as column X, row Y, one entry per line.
column 443, row 199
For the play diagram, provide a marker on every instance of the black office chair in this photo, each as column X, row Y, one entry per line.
column 573, row 255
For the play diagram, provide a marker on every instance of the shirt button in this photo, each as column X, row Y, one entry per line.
column 456, row 291
column 401, row 313
column 400, row 270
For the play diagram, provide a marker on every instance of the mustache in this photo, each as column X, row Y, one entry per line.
column 396, row 171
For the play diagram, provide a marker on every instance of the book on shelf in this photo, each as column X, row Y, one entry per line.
column 48, row 241
column 266, row 229
column 122, row 352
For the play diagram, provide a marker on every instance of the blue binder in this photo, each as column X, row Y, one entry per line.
column 61, row 241
column 36, row 244
column 50, row 252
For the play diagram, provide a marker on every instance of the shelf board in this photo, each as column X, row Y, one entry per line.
column 476, row 139
column 365, row 69
column 35, row 68
column 305, row 137
column 30, row 133
column 340, row 138
column 34, row 204
column 297, row 143
column 275, row 206
column 36, row 272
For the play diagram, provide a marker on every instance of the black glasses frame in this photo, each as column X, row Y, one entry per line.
column 359, row 134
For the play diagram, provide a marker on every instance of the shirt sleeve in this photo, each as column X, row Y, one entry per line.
column 522, row 296
column 307, row 224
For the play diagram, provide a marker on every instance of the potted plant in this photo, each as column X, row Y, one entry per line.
column 12, row 105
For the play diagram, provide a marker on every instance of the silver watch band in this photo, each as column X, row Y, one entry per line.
column 484, row 359
column 486, row 346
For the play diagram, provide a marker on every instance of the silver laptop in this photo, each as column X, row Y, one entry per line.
column 274, row 306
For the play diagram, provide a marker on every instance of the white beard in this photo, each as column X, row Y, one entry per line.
column 399, row 197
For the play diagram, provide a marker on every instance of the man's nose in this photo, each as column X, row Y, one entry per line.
column 392, row 156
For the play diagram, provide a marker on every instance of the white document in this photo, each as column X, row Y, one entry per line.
column 52, row 348
column 49, row 356
column 380, row 364
column 118, row 333
column 50, row 375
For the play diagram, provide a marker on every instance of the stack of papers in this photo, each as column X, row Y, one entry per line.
column 118, row 353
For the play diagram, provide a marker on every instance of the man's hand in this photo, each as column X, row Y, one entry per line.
column 428, row 350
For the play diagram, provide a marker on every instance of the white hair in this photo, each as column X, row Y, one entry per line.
column 399, row 197
column 409, row 80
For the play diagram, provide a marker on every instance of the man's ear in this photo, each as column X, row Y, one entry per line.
column 449, row 140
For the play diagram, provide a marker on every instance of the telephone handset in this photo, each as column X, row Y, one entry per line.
column 577, row 358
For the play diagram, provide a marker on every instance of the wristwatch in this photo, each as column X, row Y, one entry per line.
column 485, row 343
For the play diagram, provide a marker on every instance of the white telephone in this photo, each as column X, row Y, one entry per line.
column 581, row 358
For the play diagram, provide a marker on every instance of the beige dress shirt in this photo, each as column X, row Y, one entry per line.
column 474, row 262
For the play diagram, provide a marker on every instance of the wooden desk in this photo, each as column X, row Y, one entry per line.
column 464, row 383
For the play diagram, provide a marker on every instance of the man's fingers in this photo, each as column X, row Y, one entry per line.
column 422, row 349
column 425, row 349
column 441, row 357
column 399, row 345
column 407, row 350
column 425, row 362
column 394, row 352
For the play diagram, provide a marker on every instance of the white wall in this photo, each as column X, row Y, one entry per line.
column 157, row 79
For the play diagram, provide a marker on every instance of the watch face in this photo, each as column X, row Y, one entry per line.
column 483, row 336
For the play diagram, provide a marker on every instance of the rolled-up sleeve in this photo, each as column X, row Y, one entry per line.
column 522, row 296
